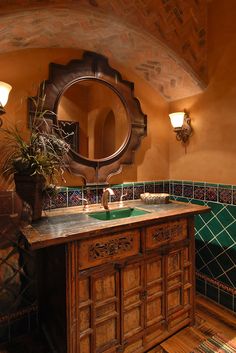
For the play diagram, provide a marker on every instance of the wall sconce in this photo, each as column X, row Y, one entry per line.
column 5, row 89
column 181, row 123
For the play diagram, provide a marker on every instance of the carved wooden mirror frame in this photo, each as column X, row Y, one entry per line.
column 94, row 66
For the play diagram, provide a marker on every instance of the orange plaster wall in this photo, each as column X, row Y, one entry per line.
column 25, row 69
column 211, row 153
column 151, row 160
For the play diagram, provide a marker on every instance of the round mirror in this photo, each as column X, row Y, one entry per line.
column 97, row 113
column 94, row 119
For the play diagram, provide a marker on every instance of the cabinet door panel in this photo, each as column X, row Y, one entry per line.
column 155, row 334
column 132, row 298
column 179, row 287
column 174, row 299
column 154, row 291
column 99, row 311
column 85, row 344
column 106, row 334
column 104, row 288
column 154, row 311
column 136, row 347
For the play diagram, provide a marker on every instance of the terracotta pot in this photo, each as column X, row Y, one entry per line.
column 29, row 188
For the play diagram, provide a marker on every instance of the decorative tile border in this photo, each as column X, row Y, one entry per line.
column 67, row 197
column 216, row 291
column 222, row 193
column 216, row 283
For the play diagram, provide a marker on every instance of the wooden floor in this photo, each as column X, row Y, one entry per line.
column 210, row 319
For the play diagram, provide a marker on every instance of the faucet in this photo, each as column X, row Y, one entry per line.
column 105, row 197
column 121, row 203
column 85, row 204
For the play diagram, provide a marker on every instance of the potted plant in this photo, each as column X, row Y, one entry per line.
column 35, row 161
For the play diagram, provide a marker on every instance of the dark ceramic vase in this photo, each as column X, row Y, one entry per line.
column 29, row 188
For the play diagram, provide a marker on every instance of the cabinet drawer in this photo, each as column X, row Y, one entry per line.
column 107, row 248
column 166, row 233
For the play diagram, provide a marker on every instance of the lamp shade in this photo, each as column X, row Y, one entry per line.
column 5, row 89
column 177, row 119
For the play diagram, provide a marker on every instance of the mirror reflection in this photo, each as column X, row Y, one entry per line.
column 94, row 117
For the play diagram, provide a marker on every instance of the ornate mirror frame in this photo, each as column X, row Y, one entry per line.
column 94, row 66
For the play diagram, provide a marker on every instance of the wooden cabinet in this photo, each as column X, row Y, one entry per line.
column 125, row 291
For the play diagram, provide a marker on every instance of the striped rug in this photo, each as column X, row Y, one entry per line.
column 216, row 344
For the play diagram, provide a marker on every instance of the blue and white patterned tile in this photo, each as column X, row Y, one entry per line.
column 177, row 189
column 74, row 197
column 59, row 200
column 211, row 193
column 225, row 195
column 199, row 192
column 129, row 190
column 159, row 186
column 149, row 187
column 138, row 189
column 188, row 191
column 90, row 194
column 117, row 193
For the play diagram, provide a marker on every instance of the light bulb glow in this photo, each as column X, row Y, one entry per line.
column 5, row 89
column 177, row 119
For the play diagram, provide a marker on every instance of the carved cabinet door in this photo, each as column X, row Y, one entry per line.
column 132, row 306
column 154, row 299
column 99, row 310
column 142, row 304
column 179, row 287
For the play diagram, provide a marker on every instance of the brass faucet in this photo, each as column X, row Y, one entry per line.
column 105, row 197
column 121, row 203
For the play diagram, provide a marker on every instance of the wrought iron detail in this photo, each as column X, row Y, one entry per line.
column 110, row 248
column 165, row 234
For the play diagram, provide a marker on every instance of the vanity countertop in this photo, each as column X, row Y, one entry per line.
column 67, row 224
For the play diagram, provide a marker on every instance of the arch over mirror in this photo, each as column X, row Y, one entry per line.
column 98, row 113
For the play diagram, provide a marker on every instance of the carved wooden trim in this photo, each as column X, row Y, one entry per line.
column 167, row 234
column 93, row 252
column 110, row 248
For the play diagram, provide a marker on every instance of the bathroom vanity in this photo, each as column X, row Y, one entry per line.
column 121, row 285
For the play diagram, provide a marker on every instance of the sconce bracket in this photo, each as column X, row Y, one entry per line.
column 183, row 133
column 2, row 111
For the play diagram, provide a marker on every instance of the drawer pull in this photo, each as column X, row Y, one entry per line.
column 143, row 295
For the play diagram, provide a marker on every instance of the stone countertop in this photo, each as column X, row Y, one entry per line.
column 67, row 224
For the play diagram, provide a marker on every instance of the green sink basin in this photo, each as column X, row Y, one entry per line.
column 118, row 213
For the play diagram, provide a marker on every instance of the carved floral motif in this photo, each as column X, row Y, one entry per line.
column 110, row 248
column 165, row 234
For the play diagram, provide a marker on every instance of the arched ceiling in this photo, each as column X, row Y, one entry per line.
column 163, row 41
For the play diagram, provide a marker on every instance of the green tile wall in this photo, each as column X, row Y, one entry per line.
column 215, row 238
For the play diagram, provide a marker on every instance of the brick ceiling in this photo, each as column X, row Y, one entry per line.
column 162, row 41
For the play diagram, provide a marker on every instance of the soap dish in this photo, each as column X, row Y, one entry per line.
column 155, row 198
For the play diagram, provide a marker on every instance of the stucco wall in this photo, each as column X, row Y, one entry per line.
column 210, row 155
column 25, row 69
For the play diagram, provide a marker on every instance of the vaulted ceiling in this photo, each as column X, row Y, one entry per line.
column 163, row 41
